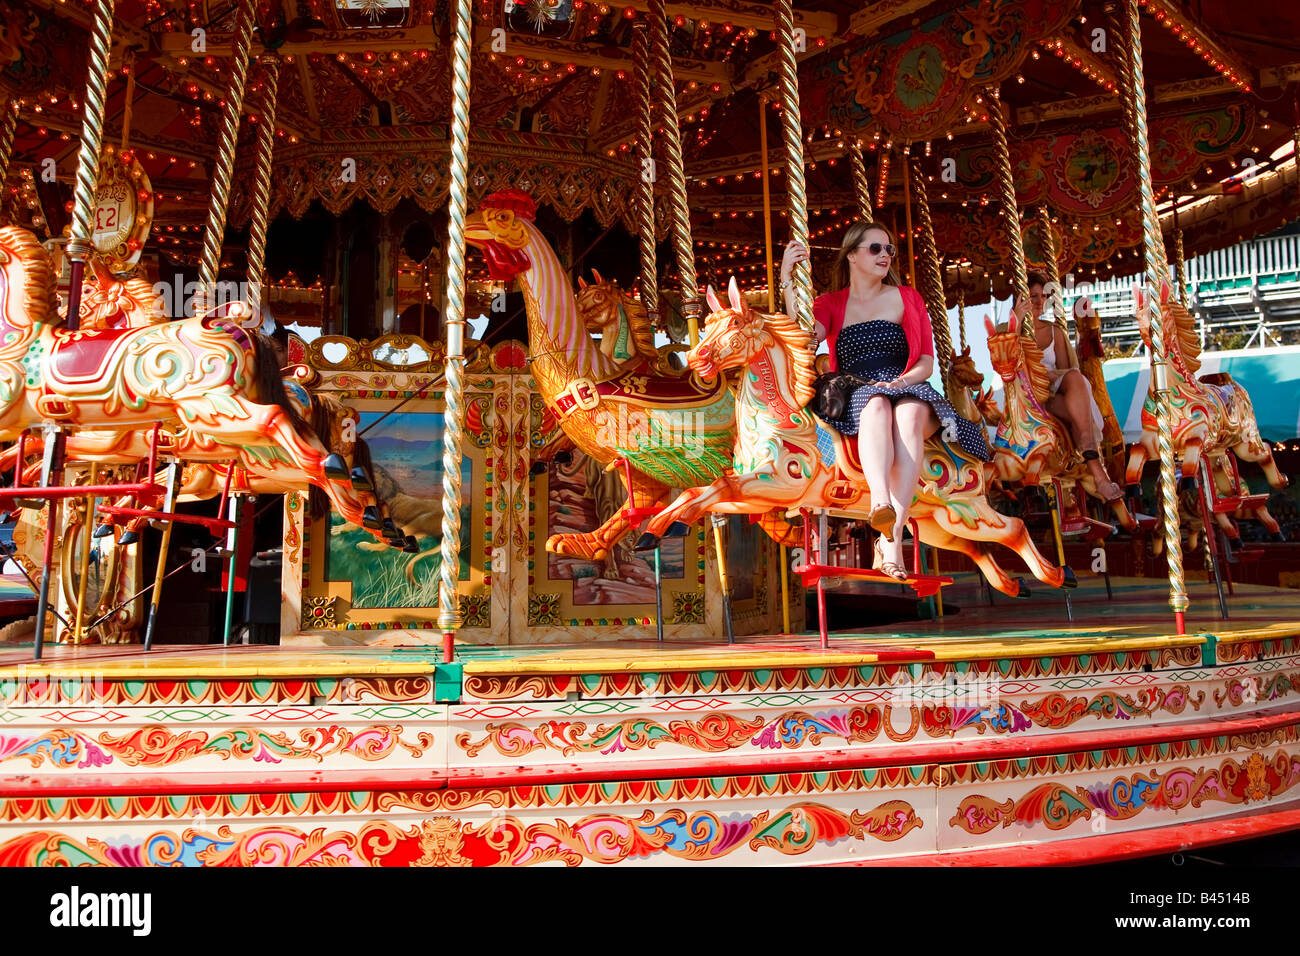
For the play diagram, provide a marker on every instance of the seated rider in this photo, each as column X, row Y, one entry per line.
column 1072, row 400
column 879, row 331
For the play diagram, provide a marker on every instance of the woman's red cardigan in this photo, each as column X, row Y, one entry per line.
column 829, row 310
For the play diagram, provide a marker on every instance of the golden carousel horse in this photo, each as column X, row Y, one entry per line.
column 778, row 463
column 673, row 430
column 964, row 384
column 212, row 382
column 626, row 335
column 1212, row 417
column 1032, row 446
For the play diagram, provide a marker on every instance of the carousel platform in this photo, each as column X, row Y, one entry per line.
column 993, row 735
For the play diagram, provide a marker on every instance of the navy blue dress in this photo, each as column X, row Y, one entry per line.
column 877, row 351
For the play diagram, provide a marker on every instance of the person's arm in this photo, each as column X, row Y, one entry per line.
column 794, row 253
column 921, row 370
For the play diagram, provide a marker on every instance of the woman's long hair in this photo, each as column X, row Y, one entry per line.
column 853, row 239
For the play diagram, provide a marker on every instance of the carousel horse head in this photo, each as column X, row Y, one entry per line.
column 502, row 228
column 619, row 319
column 730, row 337
column 1178, row 325
column 108, row 302
column 734, row 335
column 964, row 372
column 1012, row 352
column 26, row 281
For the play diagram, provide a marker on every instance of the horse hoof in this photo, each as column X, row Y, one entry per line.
column 1133, row 491
column 390, row 530
column 8, row 516
column 537, row 468
column 129, row 537
column 1279, row 537
column 677, row 529
column 29, row 504
column 1069, row 580
column 409, row 545
column 1024, row 589
column 335, row 468
column 647, row 542
column 103, row 531
column 563, row 458
column 370, row 518
column 361, row 481
column 1186, row 483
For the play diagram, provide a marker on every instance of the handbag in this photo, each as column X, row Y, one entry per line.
column 831, row 394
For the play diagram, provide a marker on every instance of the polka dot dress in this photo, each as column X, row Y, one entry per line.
column 877, row 350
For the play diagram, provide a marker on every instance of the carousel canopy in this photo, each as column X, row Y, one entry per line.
column 364, row 92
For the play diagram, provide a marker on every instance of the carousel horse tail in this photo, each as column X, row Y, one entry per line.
column 776, row 527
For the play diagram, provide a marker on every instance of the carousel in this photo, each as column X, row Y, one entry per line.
column 409, row 457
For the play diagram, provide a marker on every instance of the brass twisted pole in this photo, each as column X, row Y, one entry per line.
column 961, row 310
column 1155, row 277
column 645, row 193
column 931, row 276
column 667, row 96
column 262, row 184
column 1180, row 264
column 454, row 406
column 861, row 189
column 8, row 128
column 1051, row 271
column 1010, row 212
column 228, row 136
column 796, row 192
column 92, row 137
column 79, row 244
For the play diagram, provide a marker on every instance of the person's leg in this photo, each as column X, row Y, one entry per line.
column 914, row 421
column 876, row 447
column 1073, row 404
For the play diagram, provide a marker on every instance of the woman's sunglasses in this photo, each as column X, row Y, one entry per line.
column 875, row 248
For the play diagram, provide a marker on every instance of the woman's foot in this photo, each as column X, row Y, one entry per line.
column 895, row 570
column 882, row 519
column 1107, row 490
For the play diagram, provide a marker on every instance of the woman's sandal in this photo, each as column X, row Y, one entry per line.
column 1107, row 490
column 895, row 571
column 882, row 519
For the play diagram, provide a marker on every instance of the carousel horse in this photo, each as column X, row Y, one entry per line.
column 1032, row 446
column 778, row 463
column 1092, row 356
column 1212, row 416
column 673, row 430
column 262, row 474
column 206, row 375
column 964, row 385
column 626, row 335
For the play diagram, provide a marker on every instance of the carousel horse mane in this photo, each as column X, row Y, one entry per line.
column 110, row 302
column 24, row 259
column 598, row 303
column 1181, row 328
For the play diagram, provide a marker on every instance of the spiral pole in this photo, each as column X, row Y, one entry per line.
column 1051, row 270
column 882, row 177
column 8, row 129
column 262, row 183
column 454, row 394
column 861, row 188
column 1156, row 276
column 1180, row 264
column 92, row 140
column 931, row 277
column 667, row 96
column 224, row 163
column 961, row 310
column 1010, row 212
column 796, row 191
column 645, row 192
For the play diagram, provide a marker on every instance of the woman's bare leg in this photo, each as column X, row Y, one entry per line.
column 1073, row 405
column 914, row 421
column 876, row 447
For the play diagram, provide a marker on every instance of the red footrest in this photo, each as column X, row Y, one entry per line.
column 82, row 491
column 923, row 584
column 212, row 524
